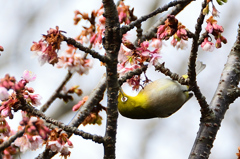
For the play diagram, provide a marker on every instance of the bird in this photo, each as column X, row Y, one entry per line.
column 158, row 99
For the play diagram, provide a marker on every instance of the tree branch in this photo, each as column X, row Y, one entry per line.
column 8, row 143
column 56, row 93
column 174, row 76
column 74, row 130
column 151, row 32
column 78, row 45
column 126, row 28
column 111, row 44
column 192, row 64
column 223, row 97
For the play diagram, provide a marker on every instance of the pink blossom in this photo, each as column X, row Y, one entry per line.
column 6, row 107
column 23, row 143
column 207, row 45
column 48, row 46
column 174, row 42
column 160, row 31
column 39, row 46
column 5, row 112
column 80, row 103
column 102, row 20
column 36, row 142
column 215, row 12
column 157, row 43
column 143, row 49
column 35, row 99
column 154, row 59
column 75, row 63
column 134, row 82
column 124, row 52
column 29, row 76
column 144, row 45
column 3, row 93
column 123, row 70
column 56, row 146
column 209, row 28
column 182, row 44
column 182, row 33
column 122, row 16
column 217, row 27
column 123, row 13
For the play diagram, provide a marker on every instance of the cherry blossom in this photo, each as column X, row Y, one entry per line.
column 3, row 93
column 207, row 45
column 29, row 76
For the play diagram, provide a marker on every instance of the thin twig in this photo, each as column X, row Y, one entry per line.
column 205, row 110
column 167, row 72
column 56, row 93
column 126, row 28
column 78, row 45
column 151, row 32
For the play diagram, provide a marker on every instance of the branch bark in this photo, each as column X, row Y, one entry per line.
column 223, row 97
column 111, row 44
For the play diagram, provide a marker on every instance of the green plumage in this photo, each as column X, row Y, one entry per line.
column 160, row 98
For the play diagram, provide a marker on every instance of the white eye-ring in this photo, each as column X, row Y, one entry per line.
column 124, row 99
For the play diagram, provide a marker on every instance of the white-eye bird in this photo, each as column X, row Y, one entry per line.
column 160, row 98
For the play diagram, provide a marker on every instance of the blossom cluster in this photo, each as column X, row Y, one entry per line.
column 46, row 48
column 59, row 142
column 36, row 134
column 131, row 58
column 5, row 133
column 11, row 101
column 12, row 92
column 173, row 28
column 95, row 32
column 216, row 30
column 75, row 62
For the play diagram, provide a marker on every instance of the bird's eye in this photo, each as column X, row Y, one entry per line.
column 124, row 99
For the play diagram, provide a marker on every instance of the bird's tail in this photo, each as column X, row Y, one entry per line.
column 199, row 67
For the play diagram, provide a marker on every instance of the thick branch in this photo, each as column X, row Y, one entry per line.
column 111, row 44
column 223, row 97
column 95, row 97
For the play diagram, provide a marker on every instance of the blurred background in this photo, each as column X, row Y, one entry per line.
column 23, row 22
